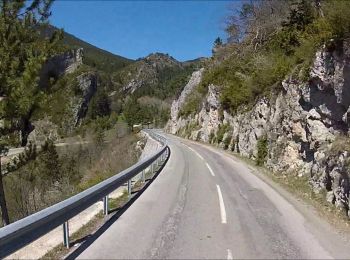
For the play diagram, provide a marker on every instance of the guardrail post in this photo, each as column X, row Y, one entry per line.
column 66, row 234
column 143, row 176
column 105, row 206
column 129, row 188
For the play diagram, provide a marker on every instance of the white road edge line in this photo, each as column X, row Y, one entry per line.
column 229, row 255
column 211, row 170
column 222, row 206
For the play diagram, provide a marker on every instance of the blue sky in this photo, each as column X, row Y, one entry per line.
column 184, row 29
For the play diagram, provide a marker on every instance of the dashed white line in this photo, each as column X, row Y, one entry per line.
column 229, row 255
column 200, row 156
column 211, row 170
column 222, row 206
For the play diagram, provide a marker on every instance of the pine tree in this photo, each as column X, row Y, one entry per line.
column 301, row 15
column 217, row 42
column 23, row 51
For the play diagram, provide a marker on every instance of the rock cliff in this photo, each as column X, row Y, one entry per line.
column 305, row 124
column 70, row 85
column 67, row 62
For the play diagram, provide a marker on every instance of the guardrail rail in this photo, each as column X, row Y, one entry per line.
column 24, row 231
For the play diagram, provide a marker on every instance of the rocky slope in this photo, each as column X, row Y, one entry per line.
column 69, row 87
column 303, row 126
column 67, row 62
column 147, row 72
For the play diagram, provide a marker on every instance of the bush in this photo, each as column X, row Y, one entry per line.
column 45, row 179
column 192, row 104
column 233, row 144
column 211, row 136
column 221, row 132
column 227, row 141
column 248, row 72
column 262, row 150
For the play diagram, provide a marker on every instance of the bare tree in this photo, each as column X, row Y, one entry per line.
column 256, row 21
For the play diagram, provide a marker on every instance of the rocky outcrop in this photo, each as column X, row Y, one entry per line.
column 145, row 72
column 70, row 109
column 175, row 123
column 61, row 64
column 43, row 129
column 87, row 86
column 301, row 123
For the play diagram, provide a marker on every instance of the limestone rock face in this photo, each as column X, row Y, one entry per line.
column 75, row 108
column 55, row 67
column 43, row 129
column 175, row 123
column 87, row 84
column 301, row 123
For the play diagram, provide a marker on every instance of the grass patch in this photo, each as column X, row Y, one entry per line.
column 95, row 223
column 60, row 251
column 115, row 203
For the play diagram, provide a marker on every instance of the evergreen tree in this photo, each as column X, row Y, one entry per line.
column 23, row 51
column 217, row 42
column 99, row 105
column 301, row 15
column 48, row 163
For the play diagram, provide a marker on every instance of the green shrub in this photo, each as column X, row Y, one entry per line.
column 233, row 144
column 221, row 132
column 262, row 147
column 192, row 104
column 227, row 141
column 211, row 136
column 248, row 72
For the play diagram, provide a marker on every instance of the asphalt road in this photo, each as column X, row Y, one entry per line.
column 207, row 204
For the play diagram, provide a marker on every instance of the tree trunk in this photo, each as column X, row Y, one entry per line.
column 4, row 212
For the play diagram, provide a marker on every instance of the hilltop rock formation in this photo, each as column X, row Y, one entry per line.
column 304, row 123
column 145, row 72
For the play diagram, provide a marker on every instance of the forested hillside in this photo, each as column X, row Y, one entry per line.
column 96, row 57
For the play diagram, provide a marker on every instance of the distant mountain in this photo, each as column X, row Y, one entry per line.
column 96, row 57
column 158, row 75
column 78, row 80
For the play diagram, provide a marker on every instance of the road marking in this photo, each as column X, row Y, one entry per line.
column 229, row 255
column 222, row 206
column 200, row 156
column 210, row 169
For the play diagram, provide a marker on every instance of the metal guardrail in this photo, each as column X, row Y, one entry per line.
column 28, row 229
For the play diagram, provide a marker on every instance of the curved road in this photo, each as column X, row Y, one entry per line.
column 207, row 204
